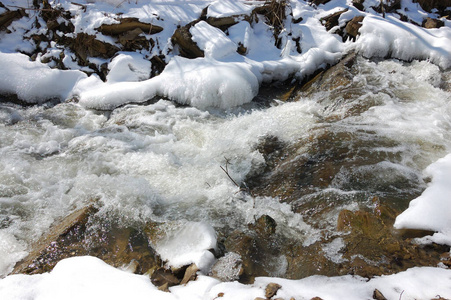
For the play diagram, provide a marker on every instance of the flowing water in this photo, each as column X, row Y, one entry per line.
column 162, row 162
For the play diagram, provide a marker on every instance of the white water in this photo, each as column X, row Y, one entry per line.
column 161, row 162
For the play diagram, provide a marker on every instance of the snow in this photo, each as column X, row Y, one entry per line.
column 222, row 79
column 431, row 211
column 35, row 82
column 187, row 243
column 90, row 278
column 391, row 37
column 226, row 8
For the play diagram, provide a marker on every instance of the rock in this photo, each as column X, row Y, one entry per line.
column 73, row 236
column 318, row 2
column 224, row 23
column 128, row 24
column 428, row 5
column 358, row 4
column 432, row 23
column 8, row 17
column 184, row 40
column 85, row 45
column 271, row 289
column 190, row 274
column 353, row 26
column 316, row 298
column 378, row 295
column 332, row 20
column 265, row 225
column 164, row 278
column 228, row 268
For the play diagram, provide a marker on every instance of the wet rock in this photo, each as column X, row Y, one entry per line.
column 337, row 76
column 117, row 245
column 352, row 28
column 128, row 24
column 271, row 289
column 378, row 295
column 332, row 20
column 8, row 17
column 184, row 40
column 265, row 225
column 433, row 23
column 260, row 255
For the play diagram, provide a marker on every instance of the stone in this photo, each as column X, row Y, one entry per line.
column 184, row 40
column 353, row 26
column 265, row 225
column 162, row 276
column 73, row 236
column 318, row 2
column 331, row 21
column 128, row 24
column 428, row 5
column 8, row 17
column 228, row 268
column 378, row 295
column 190, row 274
column 433, row 23
column 271, row 289
column 85, row 45
column 358, row 4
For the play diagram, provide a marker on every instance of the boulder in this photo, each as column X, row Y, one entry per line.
column 118, row 246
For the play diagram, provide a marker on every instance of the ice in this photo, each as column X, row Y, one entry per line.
column 11, row 250
column 382, row 37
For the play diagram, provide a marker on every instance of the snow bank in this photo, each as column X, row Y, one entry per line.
column 431, row 211
column 90, row 278
column 391, row 37
column 128, row 66
column 200, row 82
column 34, row 81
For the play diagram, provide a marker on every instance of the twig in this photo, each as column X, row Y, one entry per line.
column 400, row 296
